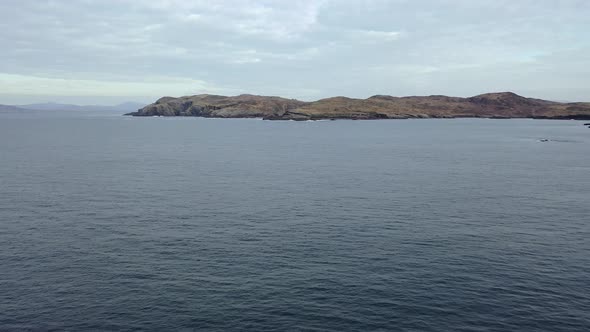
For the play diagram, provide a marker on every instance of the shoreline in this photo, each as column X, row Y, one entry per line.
column 563, row 118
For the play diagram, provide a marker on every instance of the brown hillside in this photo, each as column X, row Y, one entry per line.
column 489, row 105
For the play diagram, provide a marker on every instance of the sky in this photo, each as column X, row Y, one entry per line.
column 110, row 51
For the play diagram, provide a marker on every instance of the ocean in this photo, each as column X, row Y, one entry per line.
column 130, row 224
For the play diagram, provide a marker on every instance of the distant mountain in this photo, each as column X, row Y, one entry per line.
column 130, row 105
column 123, row 107
column 489, row 105
column 10, row 108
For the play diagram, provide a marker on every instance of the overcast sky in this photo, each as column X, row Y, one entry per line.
column 108, row 51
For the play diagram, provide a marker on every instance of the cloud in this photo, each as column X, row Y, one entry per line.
column 304, row 49
column 381, row 35
column 13, row 84
column 275, row 20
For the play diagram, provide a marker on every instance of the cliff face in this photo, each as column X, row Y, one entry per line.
column 490, row 105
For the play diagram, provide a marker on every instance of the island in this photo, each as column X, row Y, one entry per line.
column 502, row 105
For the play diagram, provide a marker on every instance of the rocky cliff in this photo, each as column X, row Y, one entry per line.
column 490, row 105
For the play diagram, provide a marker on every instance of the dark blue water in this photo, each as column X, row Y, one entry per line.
column 118, row 223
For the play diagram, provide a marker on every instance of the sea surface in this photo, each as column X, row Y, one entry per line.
column 116, row 223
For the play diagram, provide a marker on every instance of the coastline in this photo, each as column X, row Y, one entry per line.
column 503, row 105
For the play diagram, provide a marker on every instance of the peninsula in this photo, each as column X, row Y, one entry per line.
column 503, row 105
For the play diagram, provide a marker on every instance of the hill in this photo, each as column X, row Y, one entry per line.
column 489, row 105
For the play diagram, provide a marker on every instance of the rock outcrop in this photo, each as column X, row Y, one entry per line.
column 491, row 105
